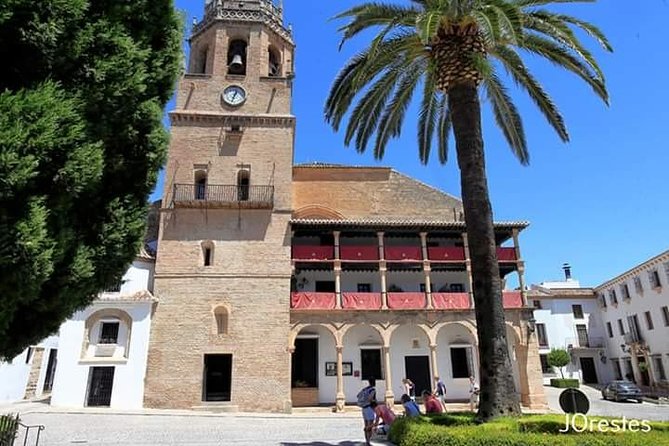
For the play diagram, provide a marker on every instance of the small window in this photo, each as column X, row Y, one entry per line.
column 422, row 288
column 29, row 354
column 621, row 327
column 536, row 304
column 200, row 188
column 364, row 288
column 625, row 291
column 602, row 300
column 109, row 333
column 457, row 288
column 638, row 286
column 545, row 368
column 274, row 60
column 609, row 329
column 207, row 253
column 243, row 184
column 655, row 279
column 659, row 368
column 460, row 362
column 613, row 297
column 541, row 335
column 221, row 315
column 370, row 361
column 616, row 369
column 665, row 315
column 578, row 311
column 649, row 320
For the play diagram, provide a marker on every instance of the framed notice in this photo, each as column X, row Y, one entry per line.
column 330, row 369
column 347, row 368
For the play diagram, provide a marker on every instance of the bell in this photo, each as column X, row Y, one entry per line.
column 237, row 62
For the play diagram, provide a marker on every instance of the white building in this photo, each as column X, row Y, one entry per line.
column 635, row 312
column 568, row 317
column 100, row 352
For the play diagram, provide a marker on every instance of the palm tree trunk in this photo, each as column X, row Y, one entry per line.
column 498, row 393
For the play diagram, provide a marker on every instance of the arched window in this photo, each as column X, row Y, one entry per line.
column 200, row 185
column 237, row 57
column 221, row 316
column 200, row 62
column 207, row 253
column 107, row 334
column 274, row 59
column 243, row 184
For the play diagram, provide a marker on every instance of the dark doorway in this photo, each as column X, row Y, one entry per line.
column 323, row 286
column 304, row 365
column 217, row 377
column 418, row 370
column 100, row 385
column 370, row 360
column 50, row 370
column 589, row 371
column 645, row 377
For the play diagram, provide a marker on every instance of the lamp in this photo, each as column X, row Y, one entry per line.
column 531, row 325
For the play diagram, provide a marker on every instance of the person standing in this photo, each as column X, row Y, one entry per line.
column 409, row 388
column 366, row 397
column 440, row 391
column 474, row 391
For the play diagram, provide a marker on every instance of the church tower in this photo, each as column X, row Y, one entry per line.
column 220, row 329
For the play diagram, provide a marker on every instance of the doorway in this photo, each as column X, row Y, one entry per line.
column 417, row 369
column 304, row 365
column 589, row 371
column 645, row 376
column 50, row 371
column 217, row 377
column 100, row 385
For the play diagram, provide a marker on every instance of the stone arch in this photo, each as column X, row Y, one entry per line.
column 316, row 212
column 274, row 62
column 106, row 313
column 199, row 62
column 221, row 315
column 295, row 331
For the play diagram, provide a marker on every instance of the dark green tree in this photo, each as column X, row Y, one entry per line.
column 558, row 358
column 82, row 91
column 451, row 52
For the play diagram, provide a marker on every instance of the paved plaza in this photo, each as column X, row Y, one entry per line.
column 320, row 428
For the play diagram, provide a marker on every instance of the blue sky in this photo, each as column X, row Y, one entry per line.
column 599, row 202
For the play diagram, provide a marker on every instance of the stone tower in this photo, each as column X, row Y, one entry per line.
column 220, row 330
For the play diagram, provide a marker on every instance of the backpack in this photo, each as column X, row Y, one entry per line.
column 365, row 396
column 441, row 388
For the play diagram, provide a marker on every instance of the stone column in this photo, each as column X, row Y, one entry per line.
column 521, row 268
column 341, row 398
column 635, row 364
column 426, row 270
column 531, row 376
column 433, row 359
column 389, row 396
column 468, row 265
column 288, row 406
column 383, row 271
column 337, row 270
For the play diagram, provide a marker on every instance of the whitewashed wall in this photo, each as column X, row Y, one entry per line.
column 14, row 374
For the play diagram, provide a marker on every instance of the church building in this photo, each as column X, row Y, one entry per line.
column 282, row 285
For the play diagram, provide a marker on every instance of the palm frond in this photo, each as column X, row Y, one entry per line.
column 444, row 129
column 589, row 28
column 373, row 14
column 525, row 3
column 429, row 108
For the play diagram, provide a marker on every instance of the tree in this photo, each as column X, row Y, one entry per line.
column 451, row 49
column 559, row 358
column 82, row 91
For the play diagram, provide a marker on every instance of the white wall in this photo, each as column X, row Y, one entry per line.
column 139, row 277
column 71, row 381
column 14, row 374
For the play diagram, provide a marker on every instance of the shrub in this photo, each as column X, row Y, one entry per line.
column 558, row 357
column 563, row 383
column 9, row 424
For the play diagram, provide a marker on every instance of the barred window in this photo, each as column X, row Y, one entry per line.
column 637, row 285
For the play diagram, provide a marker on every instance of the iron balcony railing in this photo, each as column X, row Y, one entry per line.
column 214, row 195
column 585, row 342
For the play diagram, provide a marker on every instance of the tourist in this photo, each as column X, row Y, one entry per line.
column 384, row 418
column 411, row 409
column 440, row 391
column 432, row 404
column 409, row 388
column 366, row 397
column 474, row 391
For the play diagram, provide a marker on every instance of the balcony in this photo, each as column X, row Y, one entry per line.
column 451, row 301
column 359, row 253
column 312, row 301
column 361, row 301
column 406, row 301
column 223, row 196
column 506, row 255
column 446, row 254
column 588, row 342
column 512, row 299
column 313, row 253
column 633, row 338
column 403, row 253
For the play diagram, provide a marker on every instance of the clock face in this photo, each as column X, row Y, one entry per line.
column 234, row 95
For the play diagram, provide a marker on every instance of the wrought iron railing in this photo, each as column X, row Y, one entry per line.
column 12, row 431
column 586, row 342
column 231, row 194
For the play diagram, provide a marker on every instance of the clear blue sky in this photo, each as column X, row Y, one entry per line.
column 599, row 202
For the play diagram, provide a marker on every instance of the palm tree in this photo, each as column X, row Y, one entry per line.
column 450, row 49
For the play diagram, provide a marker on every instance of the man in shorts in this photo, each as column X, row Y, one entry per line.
column 365, row 398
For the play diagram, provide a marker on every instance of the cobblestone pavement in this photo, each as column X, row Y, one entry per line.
column 598, row 406
column 145, row 430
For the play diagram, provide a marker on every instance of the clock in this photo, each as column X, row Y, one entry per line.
column 234, row 95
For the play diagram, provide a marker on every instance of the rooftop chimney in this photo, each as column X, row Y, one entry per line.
column 567, row 271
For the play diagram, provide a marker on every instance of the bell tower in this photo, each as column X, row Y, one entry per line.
column 219, row 334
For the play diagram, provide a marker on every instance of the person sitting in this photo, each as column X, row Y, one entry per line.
column 432, row 404
column 384, row 418
column 410, row 407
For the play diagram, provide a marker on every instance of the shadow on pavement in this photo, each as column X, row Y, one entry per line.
column 342, row 443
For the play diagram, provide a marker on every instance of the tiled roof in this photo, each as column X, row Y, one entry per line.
column 146, row 253
column 557, row 293
column 319, row 165
column 402, row 223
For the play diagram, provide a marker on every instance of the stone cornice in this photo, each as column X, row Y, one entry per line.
column 648, row 264
column 186, row 116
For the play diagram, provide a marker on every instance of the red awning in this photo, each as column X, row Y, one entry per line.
column 406, row 301
column 361, row 301
column 313, row 252
column 446, row 253
column 359, row 253
column 451, row 301
column 512, row 299
column 506, row 254
column 312, row 301
column 403, row 253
